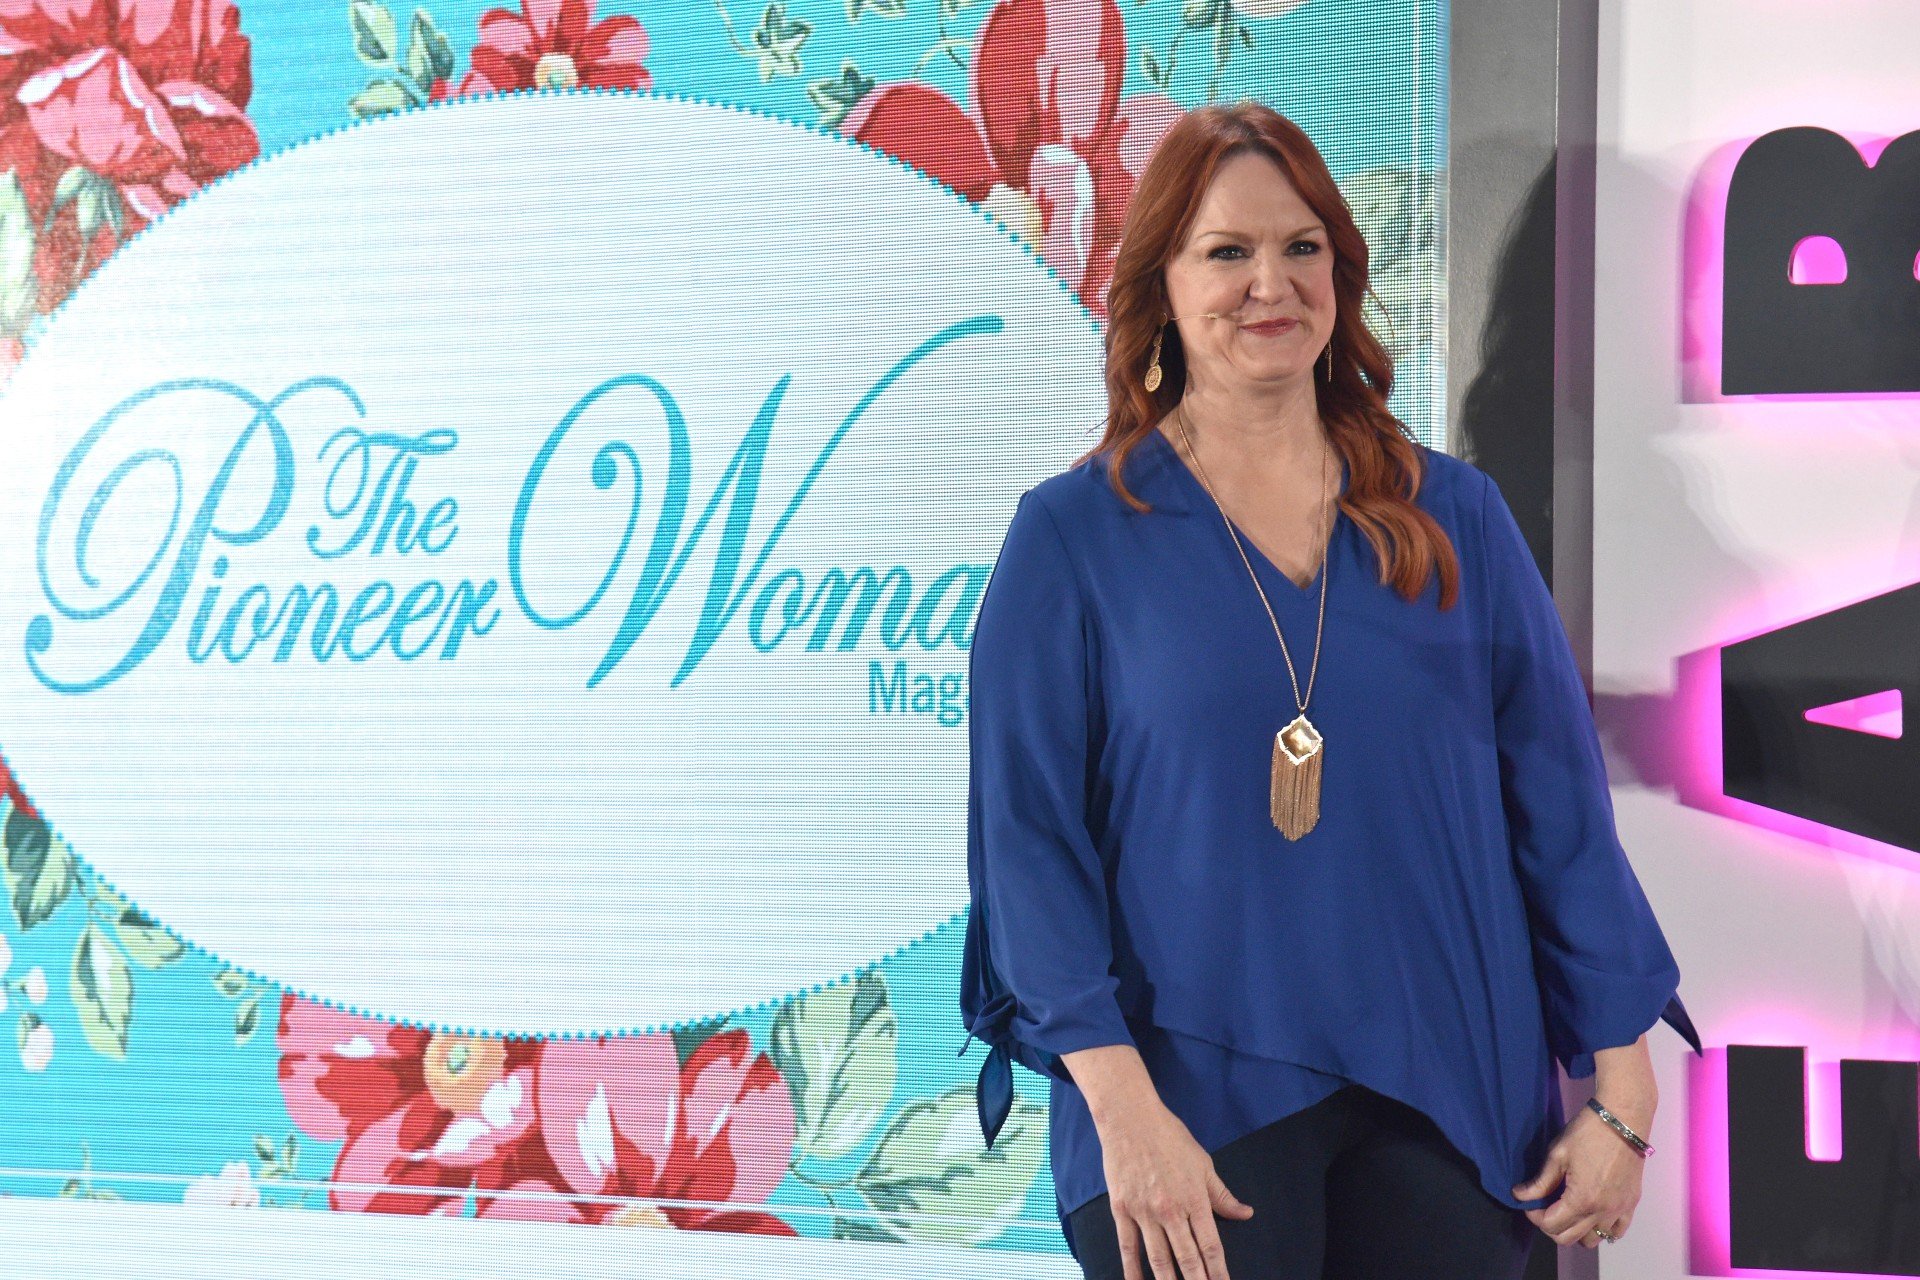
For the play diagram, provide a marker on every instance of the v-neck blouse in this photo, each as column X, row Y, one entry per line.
column 1255, row 555
column 1462, row 916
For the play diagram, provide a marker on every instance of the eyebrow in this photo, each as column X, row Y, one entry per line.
column 1311, row 226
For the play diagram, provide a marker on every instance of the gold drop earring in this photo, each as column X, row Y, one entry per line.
column 1329, row 359
column 1152, row 381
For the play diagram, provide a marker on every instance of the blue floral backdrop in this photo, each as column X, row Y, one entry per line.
column 147, row 1069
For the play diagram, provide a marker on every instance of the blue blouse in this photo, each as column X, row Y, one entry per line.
column 1461, row 916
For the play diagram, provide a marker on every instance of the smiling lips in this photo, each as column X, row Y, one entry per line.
column 1269, row 328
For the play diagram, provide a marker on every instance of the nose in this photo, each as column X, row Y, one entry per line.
column 1273, row 280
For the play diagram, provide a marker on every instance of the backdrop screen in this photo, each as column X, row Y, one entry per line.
column 492, row 509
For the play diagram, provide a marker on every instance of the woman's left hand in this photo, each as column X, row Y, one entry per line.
column 1602, row 1176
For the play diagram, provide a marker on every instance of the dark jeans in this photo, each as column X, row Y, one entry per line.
column 1358, row 1186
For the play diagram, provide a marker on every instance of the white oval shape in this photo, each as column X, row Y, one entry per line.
column 483, row 835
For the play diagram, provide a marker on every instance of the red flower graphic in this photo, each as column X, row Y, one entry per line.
column 146, row 96
column 433, row 1114
column 549, row 44
column 9, row 787
column 1049, row 147
column 620, row 1117
column 428, row 1117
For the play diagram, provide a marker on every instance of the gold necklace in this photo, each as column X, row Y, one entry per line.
column 1299, row 751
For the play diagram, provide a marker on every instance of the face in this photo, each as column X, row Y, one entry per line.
column 1258, row 255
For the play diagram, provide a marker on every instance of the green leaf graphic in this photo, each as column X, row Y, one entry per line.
column 378, row 99
column 777, row 40
column 429, row 53
column 246, row 1020
column 102, row 992
column 98, row 201
column 919, row 1168
column 1204, row 13
column 71, row 184
column 835, row 96
column 1151, row 67
column 1396, row 211
column 880, row 8
column 39, row 868
column 19, row 287
column 375, row 34
column 149, row 944
column 837, row 1050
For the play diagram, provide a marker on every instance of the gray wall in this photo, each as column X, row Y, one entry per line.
column 1520, row 219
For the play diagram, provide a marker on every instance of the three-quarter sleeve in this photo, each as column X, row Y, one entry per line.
column 1605, row 972
column 1036, row 976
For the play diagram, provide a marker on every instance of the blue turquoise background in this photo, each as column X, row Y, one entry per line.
column 1347, row 71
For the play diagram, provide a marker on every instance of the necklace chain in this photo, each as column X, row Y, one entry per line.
column 1325, row 545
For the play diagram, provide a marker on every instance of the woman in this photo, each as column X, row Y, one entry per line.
column 1291, row 849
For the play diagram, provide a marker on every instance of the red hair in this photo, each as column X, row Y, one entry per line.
column 1383, row 460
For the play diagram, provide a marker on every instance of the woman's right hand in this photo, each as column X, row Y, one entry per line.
column 1164, row 1193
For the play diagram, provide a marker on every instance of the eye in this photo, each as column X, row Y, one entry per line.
column 1312, row 246
column 1225, row 248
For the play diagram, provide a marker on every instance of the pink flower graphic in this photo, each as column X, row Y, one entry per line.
column 620, row 1117
column 555, row 44
column 148, row 92
column 1048, row 146
column 433, row 1114
column 148, row 95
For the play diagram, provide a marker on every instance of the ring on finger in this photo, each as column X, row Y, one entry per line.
column 1605, row 1235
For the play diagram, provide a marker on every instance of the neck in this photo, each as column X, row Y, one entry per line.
column 1264, row 428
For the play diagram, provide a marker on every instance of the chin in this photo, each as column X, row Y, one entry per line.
column 1290, row 373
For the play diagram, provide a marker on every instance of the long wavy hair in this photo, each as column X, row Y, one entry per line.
column 1383, row 461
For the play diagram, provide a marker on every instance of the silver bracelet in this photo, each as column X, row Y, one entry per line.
column 1638, row 1143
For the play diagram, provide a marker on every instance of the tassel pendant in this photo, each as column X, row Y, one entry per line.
column 1298, row 752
